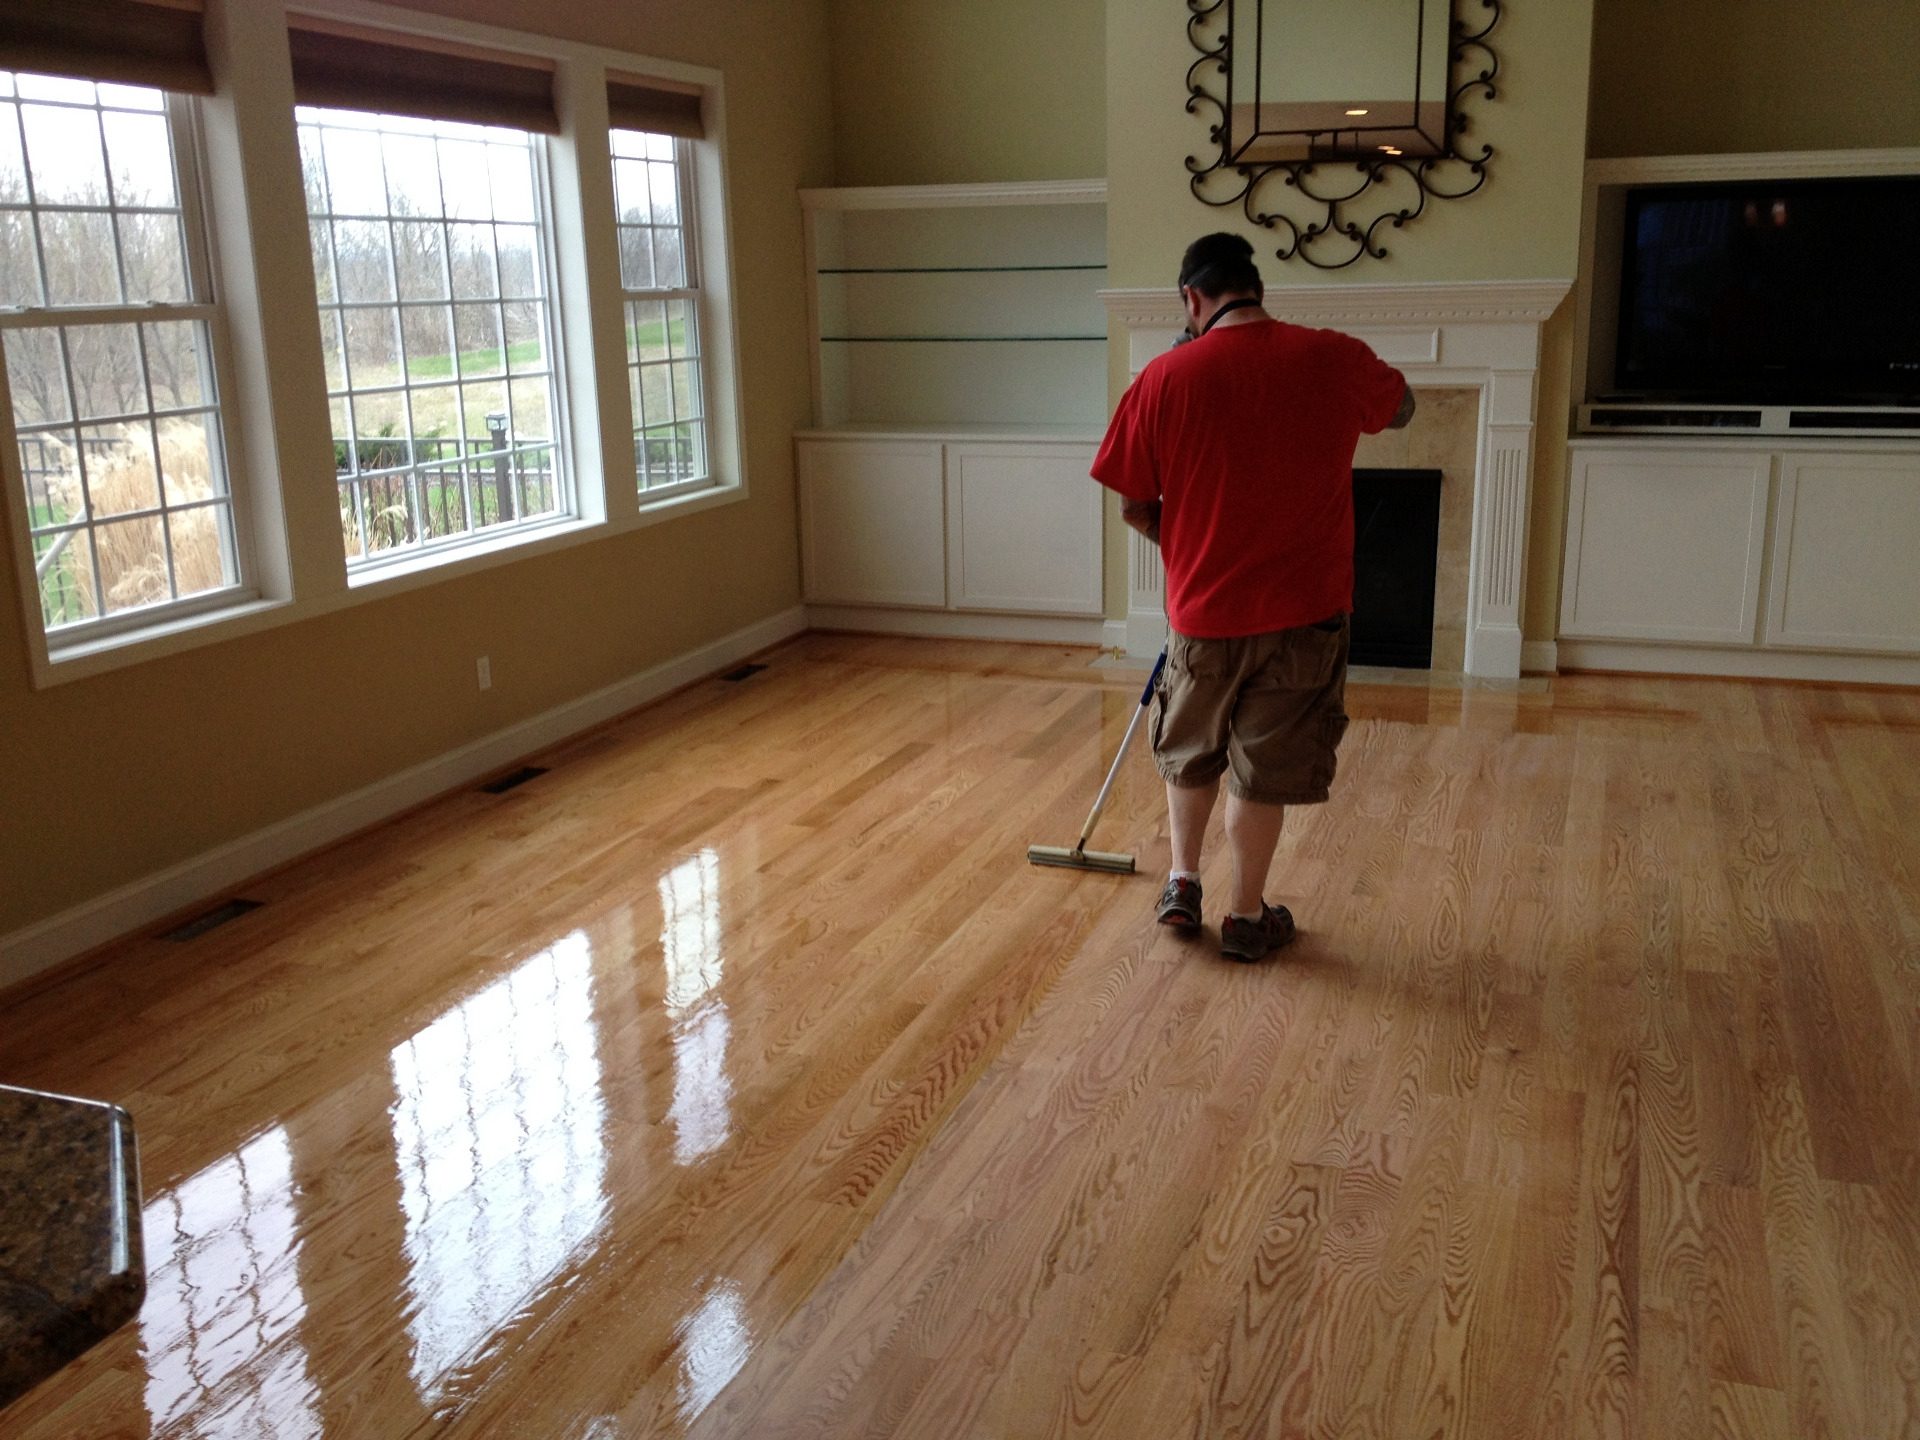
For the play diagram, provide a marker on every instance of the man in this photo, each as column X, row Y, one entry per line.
column 1234, row 454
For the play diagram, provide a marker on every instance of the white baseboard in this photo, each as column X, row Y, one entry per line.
column 49, row 942
column 1539, row 657
column 1744, row 663
column 953, row 625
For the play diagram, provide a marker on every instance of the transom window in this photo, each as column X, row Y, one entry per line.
column 430, row 253
column 110, row 334
column 661, row 279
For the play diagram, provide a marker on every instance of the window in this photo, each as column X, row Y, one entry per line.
column 430, row 254
column 660, row 276
column 111, row 341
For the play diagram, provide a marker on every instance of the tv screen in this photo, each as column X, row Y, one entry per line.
column 1781, row 292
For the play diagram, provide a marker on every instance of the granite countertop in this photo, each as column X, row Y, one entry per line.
column 72, row 1269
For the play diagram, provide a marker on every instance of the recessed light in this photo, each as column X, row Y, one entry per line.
column 1356, row 112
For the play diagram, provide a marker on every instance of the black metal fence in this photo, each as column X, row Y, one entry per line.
column 394, row 494
column 54, row 498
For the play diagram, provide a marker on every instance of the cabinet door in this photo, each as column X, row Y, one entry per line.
column 1845, row 542
column 1665, row 545
column 1023, row 529
column 872, row 523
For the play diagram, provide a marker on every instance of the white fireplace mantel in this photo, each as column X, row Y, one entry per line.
column 1482, row 334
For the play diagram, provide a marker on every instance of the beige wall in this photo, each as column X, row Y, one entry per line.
column 1728, row 76
column 110, row 778
column 943, row 92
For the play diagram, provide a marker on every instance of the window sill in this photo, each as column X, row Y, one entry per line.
column 406, row 572
column 84, row 658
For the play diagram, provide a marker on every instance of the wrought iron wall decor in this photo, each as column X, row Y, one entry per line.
column 1232, row 177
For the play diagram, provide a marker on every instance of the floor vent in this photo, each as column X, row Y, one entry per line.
column 514, row 779
column 212, row 920
column 744, row 672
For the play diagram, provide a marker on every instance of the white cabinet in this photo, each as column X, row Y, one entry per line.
column 960, row 392
column 1023, row 529
column 1009, row 526
column 1665, row 545
column 872, row 523
column 1761, row 557
column 1846, row 554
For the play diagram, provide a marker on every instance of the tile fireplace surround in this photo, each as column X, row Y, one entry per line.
column 1472, row 352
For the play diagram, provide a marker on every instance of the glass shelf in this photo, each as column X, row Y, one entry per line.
column 947, row 269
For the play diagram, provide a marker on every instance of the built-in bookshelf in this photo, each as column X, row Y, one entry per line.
column 951, row 305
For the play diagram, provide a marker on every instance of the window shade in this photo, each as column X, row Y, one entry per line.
column 126, row 42
column 660, row 107
column 347, row 68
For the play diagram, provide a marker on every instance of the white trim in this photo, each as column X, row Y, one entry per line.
column 959, row 625
column 1576, row 655
column 190, row 632
column 1773, row 165
column 49, row 942
column 1539, row 657
column 1013, row 192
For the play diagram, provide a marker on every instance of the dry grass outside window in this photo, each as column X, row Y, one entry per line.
column 133, row 557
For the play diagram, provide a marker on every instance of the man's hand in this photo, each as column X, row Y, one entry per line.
column 1144, row 516
column 1404, row 415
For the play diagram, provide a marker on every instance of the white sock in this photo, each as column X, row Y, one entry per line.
column 1193, row 875
column 1258, row 914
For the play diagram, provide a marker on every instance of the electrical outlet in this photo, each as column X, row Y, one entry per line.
column 483, row 667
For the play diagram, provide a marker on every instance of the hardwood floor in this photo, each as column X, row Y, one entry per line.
column 739, row 1078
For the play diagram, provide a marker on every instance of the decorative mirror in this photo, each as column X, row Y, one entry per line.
column 1331, row 99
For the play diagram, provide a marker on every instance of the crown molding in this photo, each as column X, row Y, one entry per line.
column 1443, row 302
column 1769, row 165
column 926, row 197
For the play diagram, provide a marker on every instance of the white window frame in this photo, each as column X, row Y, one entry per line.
column 204, row 306
column 250, row 198
column 428, row 551
column 693, row 293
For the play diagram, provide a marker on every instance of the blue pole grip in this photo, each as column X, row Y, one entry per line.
column 1146, row 695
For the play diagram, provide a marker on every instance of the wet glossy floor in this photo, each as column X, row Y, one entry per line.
column 739, row 1077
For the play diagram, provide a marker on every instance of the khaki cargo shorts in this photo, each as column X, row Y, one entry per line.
column 1267, row 709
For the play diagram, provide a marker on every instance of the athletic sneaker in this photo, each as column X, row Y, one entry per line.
column 1255, row 939
column 1180, row 904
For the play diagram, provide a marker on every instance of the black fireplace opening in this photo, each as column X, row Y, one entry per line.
column 1396, row 553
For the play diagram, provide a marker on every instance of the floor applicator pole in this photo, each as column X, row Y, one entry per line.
column 1079, row 857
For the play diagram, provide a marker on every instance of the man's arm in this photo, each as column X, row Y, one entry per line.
column 1404, row 415
column 1144, row 516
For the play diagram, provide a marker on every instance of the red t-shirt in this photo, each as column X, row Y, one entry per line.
column 1246, row 436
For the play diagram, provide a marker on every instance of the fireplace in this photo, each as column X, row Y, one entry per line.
column 1396, row 549
column 1471, row 349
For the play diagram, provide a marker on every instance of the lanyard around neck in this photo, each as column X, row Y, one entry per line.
column 1245, row 302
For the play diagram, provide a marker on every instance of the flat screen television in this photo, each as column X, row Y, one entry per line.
column 1772, row 292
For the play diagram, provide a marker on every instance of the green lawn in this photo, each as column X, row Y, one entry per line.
column 473, row 362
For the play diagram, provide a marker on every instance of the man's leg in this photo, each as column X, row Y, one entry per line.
column 1189, row 807
column 1253, row 834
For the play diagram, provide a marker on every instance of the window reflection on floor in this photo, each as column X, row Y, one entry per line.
column 499, row 1132
column 220, row 1328
column 714, row 1343
column 690, row 940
